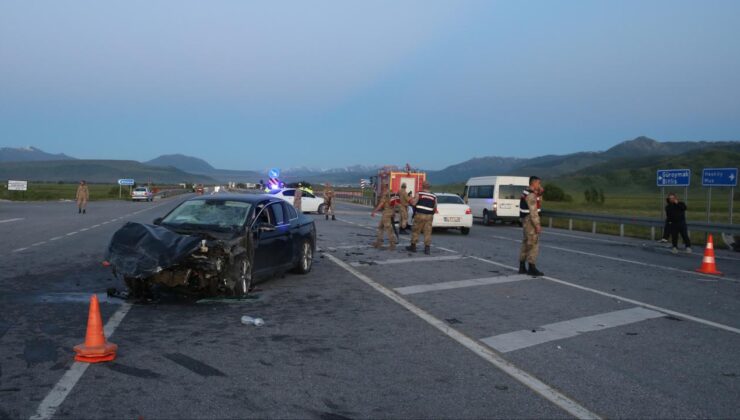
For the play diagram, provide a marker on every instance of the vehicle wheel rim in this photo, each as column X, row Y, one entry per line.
column 246, row 277
column 307, row 256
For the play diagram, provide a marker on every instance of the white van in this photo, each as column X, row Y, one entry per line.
column 494, row 198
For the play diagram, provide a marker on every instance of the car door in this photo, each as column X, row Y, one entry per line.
column 265, row 241
column 282, row 234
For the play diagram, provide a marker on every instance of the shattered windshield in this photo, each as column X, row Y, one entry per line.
column 221, row 215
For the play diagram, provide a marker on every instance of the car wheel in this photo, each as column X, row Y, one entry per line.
column 322, row 209
column 465, row 230
column 305, row 261
column 242, row 277
column 486, row 218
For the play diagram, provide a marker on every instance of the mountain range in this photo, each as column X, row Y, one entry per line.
column 625, row 162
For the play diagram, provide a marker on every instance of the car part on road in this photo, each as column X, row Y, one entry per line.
column 248, row 320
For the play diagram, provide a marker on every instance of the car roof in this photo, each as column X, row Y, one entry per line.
column 447, row 194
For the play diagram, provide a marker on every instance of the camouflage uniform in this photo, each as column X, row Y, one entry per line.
column 426, row 205
column 386, row 222
column 531, row 222
column 329, row 202
column 82, row 196
column 404, row 208
column 297, row 199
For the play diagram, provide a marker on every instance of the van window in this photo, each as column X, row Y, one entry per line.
column 510, row 192
column 473, row 192
column 485, row 191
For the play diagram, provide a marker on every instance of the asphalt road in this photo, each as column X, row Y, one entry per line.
column 618, row 328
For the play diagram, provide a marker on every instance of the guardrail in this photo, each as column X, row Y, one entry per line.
column 622, row 221
column 351, row 197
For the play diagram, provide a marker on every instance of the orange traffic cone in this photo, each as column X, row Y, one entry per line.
column 708, row 266
column 95, row 349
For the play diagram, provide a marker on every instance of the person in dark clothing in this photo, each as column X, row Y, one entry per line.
column 675, row 212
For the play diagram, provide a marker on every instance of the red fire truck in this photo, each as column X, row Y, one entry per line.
column 394, row 177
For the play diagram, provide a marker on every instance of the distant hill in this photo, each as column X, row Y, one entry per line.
column 638, row 173
column 184, row 163
column 98, row 171
column 640, row 149
column 199, row 166
column 28, row 154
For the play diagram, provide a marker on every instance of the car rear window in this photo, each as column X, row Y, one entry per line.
column 140, row 190
column 449, row 199
column 289, row 193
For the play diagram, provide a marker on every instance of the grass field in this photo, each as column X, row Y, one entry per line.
column 53, row 192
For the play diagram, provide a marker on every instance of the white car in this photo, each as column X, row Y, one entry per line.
column 142, row 194
column 309, row 202
column 452, row 212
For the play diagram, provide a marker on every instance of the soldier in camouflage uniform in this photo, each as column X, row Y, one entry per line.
column 298, row 195
column 386, row 220
column 426, row 204
column 404, row 209
column 529, row 212
column 329, row 201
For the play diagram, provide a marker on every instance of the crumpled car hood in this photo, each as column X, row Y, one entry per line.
column 139, row 250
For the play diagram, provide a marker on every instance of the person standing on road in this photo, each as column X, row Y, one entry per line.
column 329, row 201
column 675, row 212
column 386, row 219
column 298, row 195
column 529, row 213
column 82, row 196
column 426, row 204
column 403, row 195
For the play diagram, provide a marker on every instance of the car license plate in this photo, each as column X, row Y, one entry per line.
column 452, row 219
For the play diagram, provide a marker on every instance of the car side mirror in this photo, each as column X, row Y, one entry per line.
column 158, row 221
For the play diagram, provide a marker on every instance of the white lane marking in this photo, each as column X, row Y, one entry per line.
column 39, row 243
column 625, row 299
column 486, row 353
column 48, row 407
column 94, row 226
column 644, row 264
column 445, row 249
column 56, row 238
column 518, row 340
column 447, row 285
column 84, row 229
column 19, row 250
column 406, row 260
column 71, row 233
column 17, row 219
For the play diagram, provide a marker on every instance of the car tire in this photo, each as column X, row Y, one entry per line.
column 465, row 230
column 322, row 209
column 243, row 278
column 486, row 218
column 305, row 259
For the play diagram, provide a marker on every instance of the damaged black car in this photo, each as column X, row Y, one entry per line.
column 213, row 245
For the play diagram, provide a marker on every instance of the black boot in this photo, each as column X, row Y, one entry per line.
column 333, row 217
column 534, row 272
column 411, row 248
column 522, row 267
column 427, row 249
column 79, row 211
column 84, row 211
column 327, row 217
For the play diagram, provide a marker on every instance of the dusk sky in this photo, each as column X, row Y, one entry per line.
column 250, row 85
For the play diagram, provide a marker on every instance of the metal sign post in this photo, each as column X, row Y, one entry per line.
column 719, row 177
column 671, row 178
column 121, row 183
